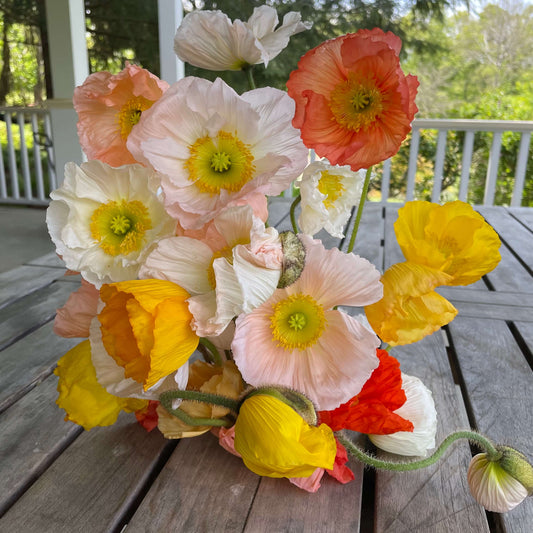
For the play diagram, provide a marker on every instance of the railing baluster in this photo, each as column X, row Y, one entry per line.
column 37, row 157
column 3, row 185
column 411, row 169
column 468, row 147
column 50, row 152
column 521, row 164
column 492, row 170
column 11, row 158
column 25, row 163
column 439, row 166
column 385, row 180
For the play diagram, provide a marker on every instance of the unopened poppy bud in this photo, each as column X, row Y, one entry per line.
column 293, row 258
column 500, row 485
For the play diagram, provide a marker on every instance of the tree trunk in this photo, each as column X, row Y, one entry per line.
column 5, row 74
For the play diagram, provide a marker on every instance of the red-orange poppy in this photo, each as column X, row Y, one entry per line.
column 354, row 105
column 372, row 410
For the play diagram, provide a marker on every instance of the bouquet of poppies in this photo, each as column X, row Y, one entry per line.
column 200, row 317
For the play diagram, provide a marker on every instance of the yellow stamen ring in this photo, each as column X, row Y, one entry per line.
column 119, row 228
column 222, row 162
column 130, row 114
column 330, row 185
column 356, row 103
column 297, row 322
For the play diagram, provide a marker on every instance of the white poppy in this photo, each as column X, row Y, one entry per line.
column 208, row 39
column 419, row 408
column 328, row 194
column 104, row 221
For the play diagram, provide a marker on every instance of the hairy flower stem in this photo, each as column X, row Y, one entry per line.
column 217, row 359
column 204, row 397
column 359, row 210
column 492, row 453
column 248, row 70
column 294, row 204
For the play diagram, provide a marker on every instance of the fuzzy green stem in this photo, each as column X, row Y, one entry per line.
column 359, row 210
column 212, row 350
column 294, row 204
column 197, row 396
column 250, row 76
column 194, row 421
column 483, row 442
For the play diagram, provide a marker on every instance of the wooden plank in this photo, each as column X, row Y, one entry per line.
column 368, row 243
column 282, row 507
column 524, row 215
column 32, row 311
column 459, row 294
column 92, row 484
column 49, row 260
column 201, row 488
column 29, row 361
column 32, row 433
column 499, row 382
column 25, row 279
column 515, row 235
column 500, row 278
column 437, row 498
column 526, row 331
column 278, row 209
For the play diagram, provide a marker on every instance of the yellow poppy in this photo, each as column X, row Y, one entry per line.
column 275, row 441
column 145, row 328
column 85, row 401
column 410, row 308
column 452, row 238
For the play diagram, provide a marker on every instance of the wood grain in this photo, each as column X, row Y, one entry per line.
column 92, row 484
column 499, row 382
column 32, row 433
column 202, row 488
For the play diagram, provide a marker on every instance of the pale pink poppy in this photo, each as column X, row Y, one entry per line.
column 296, row 338
column 108, row 106
column 215, row 148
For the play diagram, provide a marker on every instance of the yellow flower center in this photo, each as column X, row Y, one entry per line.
column 356, row 103
column 120, row 227
column 297, row 322
column 223, row 162
column 330, row 185
column 130, row 114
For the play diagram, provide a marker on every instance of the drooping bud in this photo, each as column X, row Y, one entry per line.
column 293, row 258
column 500, row 485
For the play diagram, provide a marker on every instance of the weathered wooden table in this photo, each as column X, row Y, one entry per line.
column 57, row 478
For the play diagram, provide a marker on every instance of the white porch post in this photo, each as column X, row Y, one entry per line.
column 65, row 20
column 170, row 14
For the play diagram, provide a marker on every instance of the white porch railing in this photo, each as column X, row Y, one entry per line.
column 27, row 172
column 470, row 127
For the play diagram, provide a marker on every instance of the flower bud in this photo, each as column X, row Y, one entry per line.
column 293, row 258
column 502, row 484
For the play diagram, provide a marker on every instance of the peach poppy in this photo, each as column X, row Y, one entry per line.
column 354, row 105
column 108, row 107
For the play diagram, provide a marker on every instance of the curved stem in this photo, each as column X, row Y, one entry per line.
column 294, row 204
column 193, row 421
column 217, row 359
column 250, row 76
column 204, row 397
column 486, row 444
column 359, row 210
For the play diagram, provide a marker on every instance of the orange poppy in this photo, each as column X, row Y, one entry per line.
column 354, row 105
